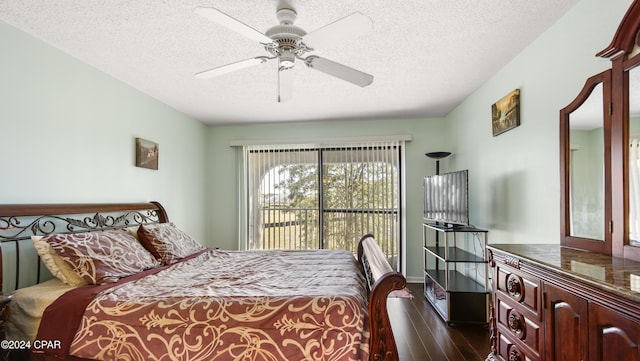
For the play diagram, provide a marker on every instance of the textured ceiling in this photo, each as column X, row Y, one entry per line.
column 426, row 55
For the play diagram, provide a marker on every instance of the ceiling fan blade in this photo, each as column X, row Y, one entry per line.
column 223, row 19
column 339, row 71
column 285, row 84
column 224, row 69
column 339, row 31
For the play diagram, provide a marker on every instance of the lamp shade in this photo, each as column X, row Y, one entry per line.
column 438, row 155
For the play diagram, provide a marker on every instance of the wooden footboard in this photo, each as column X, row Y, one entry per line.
column 381, row 280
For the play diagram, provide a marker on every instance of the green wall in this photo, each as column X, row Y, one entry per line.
column 67, row 135
column 515, row 178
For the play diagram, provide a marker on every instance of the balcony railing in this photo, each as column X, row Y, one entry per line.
column 298, row 228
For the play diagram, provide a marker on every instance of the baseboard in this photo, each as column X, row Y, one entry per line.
column 415, row 280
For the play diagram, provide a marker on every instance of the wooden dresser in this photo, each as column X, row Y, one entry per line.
column 580, row 299
column 557, row 303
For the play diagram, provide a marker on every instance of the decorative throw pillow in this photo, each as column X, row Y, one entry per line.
column 166, row 242
column 102, row 257
column 58, row 268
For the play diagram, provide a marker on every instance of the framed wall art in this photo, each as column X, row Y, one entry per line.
column 505, row 113
column 146, row 154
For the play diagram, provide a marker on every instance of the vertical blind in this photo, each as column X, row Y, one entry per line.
column 324, row 196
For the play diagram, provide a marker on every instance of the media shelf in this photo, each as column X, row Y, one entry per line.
column 456, row 272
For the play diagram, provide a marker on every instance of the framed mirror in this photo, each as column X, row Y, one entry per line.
column 613, row 226
column 585, row 164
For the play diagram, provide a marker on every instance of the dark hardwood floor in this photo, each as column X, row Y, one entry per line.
column 421, row 335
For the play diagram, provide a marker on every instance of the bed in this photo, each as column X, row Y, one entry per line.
column 166, row 297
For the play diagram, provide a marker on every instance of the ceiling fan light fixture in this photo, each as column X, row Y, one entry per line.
column 288, row 38
column 286, row 42
column 287, row 59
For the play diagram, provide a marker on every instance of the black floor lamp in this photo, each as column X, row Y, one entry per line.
column 437, row 156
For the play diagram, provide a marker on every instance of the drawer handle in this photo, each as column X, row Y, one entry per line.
column 514, row 355
column 514, row 286
column 516, row 323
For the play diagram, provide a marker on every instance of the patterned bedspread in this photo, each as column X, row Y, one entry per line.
column 258, row 305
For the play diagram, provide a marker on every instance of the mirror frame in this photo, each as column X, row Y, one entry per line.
column 595, row 245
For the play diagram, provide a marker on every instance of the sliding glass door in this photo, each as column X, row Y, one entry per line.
column 311, row 197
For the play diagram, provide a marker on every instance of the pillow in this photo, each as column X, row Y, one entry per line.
column 166, row 242
column 133, row 230
column 58, row 268
column 102, row 257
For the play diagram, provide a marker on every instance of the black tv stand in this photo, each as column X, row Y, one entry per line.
column 450, row 227
column 456, row 272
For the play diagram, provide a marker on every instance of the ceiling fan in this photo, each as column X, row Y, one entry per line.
column 287, row 42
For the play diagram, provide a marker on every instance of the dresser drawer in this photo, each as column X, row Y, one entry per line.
column 510, row 351
column 521, row 288
column 518, row 326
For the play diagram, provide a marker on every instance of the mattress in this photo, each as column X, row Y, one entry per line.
column 27, row 306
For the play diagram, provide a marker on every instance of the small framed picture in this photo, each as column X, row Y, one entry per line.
column 146, row 154
column 505, row 113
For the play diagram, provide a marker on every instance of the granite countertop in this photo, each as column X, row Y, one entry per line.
column 615, row 274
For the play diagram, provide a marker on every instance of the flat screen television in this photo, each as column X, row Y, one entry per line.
column 446, row 198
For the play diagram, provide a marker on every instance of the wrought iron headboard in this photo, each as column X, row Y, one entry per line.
column 18, row 222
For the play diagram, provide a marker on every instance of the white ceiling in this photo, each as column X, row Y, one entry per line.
column 426, row 55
